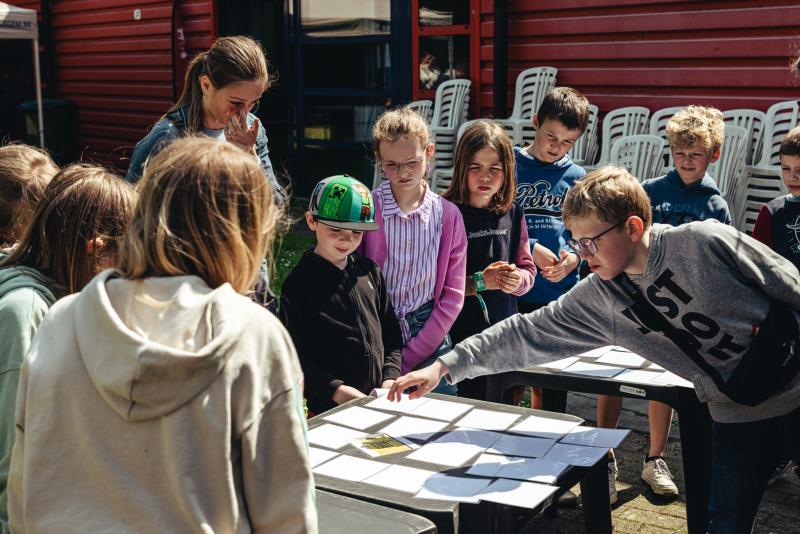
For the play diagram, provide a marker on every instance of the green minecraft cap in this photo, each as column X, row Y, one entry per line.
column 343, row 202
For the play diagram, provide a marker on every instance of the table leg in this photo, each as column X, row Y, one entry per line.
column 594, row 494
column 695, row 426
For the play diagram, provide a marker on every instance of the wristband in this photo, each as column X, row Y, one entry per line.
column 480, row 283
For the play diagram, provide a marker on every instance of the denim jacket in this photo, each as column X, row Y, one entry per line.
column 172, row 126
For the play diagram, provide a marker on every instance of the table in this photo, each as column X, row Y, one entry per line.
column 693, row 419
column 338, row 514
column 454, row 517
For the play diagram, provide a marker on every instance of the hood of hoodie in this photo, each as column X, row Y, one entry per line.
column 16, row 277
column 528, row 159
column 151, row 346
column 705, row 185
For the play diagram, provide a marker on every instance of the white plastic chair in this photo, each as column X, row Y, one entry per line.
column 781, row 118
column 585, row 148
column 424, row 108
column 727, row 169
column 531, row 87
column 762, row 184
column 658, row 126
column 450, row 110
column 640, row 154
column 618, row 123
column 754, row 122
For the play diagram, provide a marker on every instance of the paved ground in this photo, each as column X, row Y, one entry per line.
column 638, row 510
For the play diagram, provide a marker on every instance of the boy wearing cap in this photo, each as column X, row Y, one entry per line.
column 335, row 304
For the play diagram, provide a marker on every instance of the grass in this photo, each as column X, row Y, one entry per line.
column 287, row 250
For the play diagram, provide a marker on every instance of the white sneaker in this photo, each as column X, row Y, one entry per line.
column 657, row 475
column 613, row 472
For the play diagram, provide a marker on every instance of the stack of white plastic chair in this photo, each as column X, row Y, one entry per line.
column 658, row 126
column 449, row 111
column 640, row 154
column 424, row 108
column 441, row 178
column 753, row 121
column 584, row 151
column 726, row 171
column 618, row 123
column 762, row 182
column 531, row 87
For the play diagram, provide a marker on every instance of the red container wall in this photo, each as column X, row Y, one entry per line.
column 118, row 70
column 728, row 54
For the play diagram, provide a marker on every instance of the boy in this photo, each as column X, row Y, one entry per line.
column 335, row 305
column 687, row 193
column 682, row 271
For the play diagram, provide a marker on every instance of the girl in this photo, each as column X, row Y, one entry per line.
column 498, row 252
column 420, row 246
column 72, row 235
column 24, row 173
column 221, row 92
column 175, row 398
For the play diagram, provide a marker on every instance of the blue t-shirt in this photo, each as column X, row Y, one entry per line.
column 541, row 189
column 676, row 203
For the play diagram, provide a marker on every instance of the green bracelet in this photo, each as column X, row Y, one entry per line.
column 480, row 283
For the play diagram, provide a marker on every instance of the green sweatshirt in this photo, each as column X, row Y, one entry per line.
column 25, row 297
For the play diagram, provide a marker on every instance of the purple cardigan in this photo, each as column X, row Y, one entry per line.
column 451, row 265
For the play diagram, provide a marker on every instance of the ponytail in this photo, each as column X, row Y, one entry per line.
column 192, row 94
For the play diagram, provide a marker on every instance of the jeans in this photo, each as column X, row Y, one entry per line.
column 416, row 320
column 743, row 457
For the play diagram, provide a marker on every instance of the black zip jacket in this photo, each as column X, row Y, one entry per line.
column 343, row 326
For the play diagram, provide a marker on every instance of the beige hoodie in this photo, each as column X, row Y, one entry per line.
column 160, row 406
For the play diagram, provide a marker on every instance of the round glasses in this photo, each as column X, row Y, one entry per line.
column 587, row 245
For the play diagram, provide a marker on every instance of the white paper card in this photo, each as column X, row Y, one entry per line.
column 487, row 465
column 655, row 367
column 488, row 420
column 560, row 364
column 591, row 369
column 317, row 456
column 516, row 493
column 637, row 376
column 350, row 468
column 401, row 478
column 596, row 353
column 623, row 359
column 671, row 379
column 332, row 436
column 543, row 427
column 480, row 439
column 358, row 417
column 416, row 428
column 576, row 454
column 444, row 487
column 447, row 454
column 608, row 438
column 512, row 445
column 533, row 470
column 441, row 409
column 405, row 405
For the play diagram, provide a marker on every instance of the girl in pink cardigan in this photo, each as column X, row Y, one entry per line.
column 421, row 246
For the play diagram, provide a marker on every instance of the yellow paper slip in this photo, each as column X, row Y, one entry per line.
column 382, row 445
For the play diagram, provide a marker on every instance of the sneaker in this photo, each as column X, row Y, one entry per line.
column 780, row 469
column 613, row 472
column 657, row 475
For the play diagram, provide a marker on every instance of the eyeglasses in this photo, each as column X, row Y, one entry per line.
column 397, row 168
column 588, row 245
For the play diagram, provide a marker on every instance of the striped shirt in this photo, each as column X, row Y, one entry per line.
column 412, row 241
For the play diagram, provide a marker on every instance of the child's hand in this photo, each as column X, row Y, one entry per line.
column 509, row 279
column 491, row 272
column 425, row 379
column 346, row 393
column 237, row 132
column 543, row 256
column 560, row 270
column 386, row 384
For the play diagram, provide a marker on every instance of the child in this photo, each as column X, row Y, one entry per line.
column 159, row 398
column 24, row 173
column 72, row 234
column 483, row 188
column 421, row 246
column 609, row 216
column 688, row 193
column 341, row 297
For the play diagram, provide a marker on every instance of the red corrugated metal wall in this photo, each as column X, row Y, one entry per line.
column 728, row 54
column 118, row 70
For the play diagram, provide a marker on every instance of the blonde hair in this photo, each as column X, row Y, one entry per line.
column 229, row 60
column 696, row 124
column 399, row 123
column 25, row 172
column 480, row 135
column 82, row 203
column 611, row 194
column 205, row 208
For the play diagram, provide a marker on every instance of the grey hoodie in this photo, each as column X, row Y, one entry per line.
column 704, row 277
column 160, row 405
